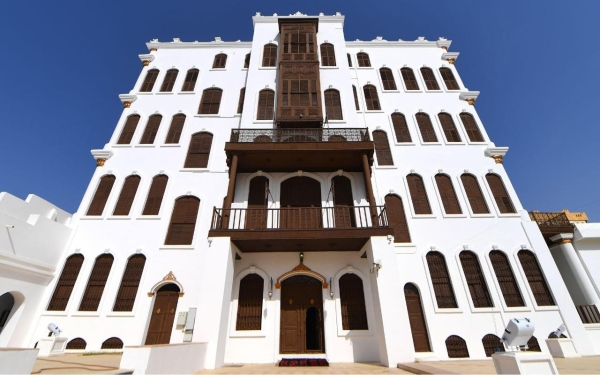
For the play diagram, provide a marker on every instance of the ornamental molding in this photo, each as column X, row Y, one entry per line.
column 301, row 269
column 496, row 153
column 186, row 45
column 562, row 238
column 127, row 99
column 101, row 156
column 168, row 279
column 443, row 43
column 146, row 59
column 450, row 56
column 469, row 96
column 388, row 44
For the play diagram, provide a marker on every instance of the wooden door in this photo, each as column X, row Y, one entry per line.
column 163, row 315
column 416, row 318
column 256, row 215
column 301, row 204
column 343, row 203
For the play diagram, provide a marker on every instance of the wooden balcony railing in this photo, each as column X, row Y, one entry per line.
column 551, row 223
column 299, row 135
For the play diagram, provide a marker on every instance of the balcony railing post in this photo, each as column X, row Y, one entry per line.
column 370, row 195
column 230, row 190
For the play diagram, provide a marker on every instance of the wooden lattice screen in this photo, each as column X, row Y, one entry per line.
column 352, row 301
column 96, row 283
column 66, row 282
column 457, row 347
column 130, row 283
column 440, row 278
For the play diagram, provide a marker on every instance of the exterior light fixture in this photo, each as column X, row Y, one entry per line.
column 376, row 267
column 330, row 288
column 271, row 289
column 301, row 257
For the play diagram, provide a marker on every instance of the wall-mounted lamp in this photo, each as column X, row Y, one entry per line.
column 271, row 289
column 301, row 257
column 376, row 267
column 330, row 288
column 390, row 238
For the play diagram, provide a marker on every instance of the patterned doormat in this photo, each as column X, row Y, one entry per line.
column 294, row 362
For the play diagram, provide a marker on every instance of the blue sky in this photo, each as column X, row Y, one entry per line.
column 64, row 63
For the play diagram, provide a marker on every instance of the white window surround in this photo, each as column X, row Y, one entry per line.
column 496, row 285
column 341, row 332
column 417, row 77
column 441, row 203
column 466, row 198
column 233, row 332
column 536, row 307
column 465, row 284
column 433, row 298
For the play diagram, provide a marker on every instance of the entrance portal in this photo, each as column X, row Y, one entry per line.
column 163, row 315
column 7, row 301
column 301, row 329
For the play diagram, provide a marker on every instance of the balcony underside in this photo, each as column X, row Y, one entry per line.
column 281, row 240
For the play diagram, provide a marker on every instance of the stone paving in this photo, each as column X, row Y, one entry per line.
column 334, row 368
column 78, row 364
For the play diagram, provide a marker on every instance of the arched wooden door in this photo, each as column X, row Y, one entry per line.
column 256, row 216
column 416, row 317
column 343, row 202
column 163, row 315
column 301, row 204
column 7, row 301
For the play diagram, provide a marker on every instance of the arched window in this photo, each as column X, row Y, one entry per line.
column 552, row 335
column 151, row 130
column 418, row 194
column 400, row 128
column 457, row 347
column 449, row 79
column 247, row 61
column 112, row 343
column 449, row 128
column 127, row 196
column 149, row 81
column 250, row 300
column 189, row 84
column 371, row 98
column 363, row 59
column 429, row 78
column 199, row 151
column 183, row 221
column 269, row 55
column 343, row 202
column 101, row 196
column 65, row 284
column 155, row 195
column 128, row 130
column 397, row 218
column 333, row 105
column 382, row 148
column 76, row 344
column 210, row 102
column 352, row 301
column 220, row 61
column 535, row 277
column 475, row 279
column 266, row 105
column 471, row 127
column 169, row 80
column 355, row 97
column 349, row 60
column 387, row 78
column 130, row 283
column 240, row 107
column 425, row 127
column 96, row 283
column 416, row 318
column 492, row 344
column 533, row 345
column 474, row 194
column 175, row 129
column 258, row 194
column 448, row 195
column 500, row 194
column 410, row 81
column 506, row 279
column 327, row 55
column 442, row 285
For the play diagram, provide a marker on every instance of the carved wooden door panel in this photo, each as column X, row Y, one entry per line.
column 301, row 204
column 416, row 318
column 312, row 318
column 163, row 317
column 291, row 329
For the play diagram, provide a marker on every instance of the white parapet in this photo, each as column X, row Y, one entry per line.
column 562, row 348
column 187, row 358
column 51, row 347
column 524, row 363
column 17, row 360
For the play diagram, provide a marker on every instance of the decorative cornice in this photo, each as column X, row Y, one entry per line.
column 168, row 279
column 101, row 156
column 127, row 99
column 562, row 238
column 469, row 96
column 443, row 43
column 155, row 44
column 496, row 153
column 301, row 269
column 450, row 57
column 146, row 59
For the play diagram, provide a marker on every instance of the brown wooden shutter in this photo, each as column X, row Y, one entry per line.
column 500, row 194
column 449, row 128
column 269, row 55
column 96, row 283
column 333, row 105
column 492, row 344
column 442, row 285
column 327, row 55
column 448, row 195
column 371, row 98
column 363, row 59
column 257, row 213
column 426, row 127
column 410, row 81
column 355, row 97
column 418, row 194
column 266, row 105
column 155, row 195
column 199, row 151
column 474, row 194
column 101, row 195
column 457, row 347
column 387, row 78
column 506, row 279
column 66, row 282
column 130, row 283
column 533, row 345
column 220, row 61
column 149, row 81
column 352, row 301
column 240, row 107
column 471, row 127
column 535, row 277
column 382, row 148
column 183, row 221
column 397, row 218
column 429, row 78
column 128, row 130
column 76, row 344
column 247, row 61
column 475, row 279
column 190, row 80
column 151, row 130
column 210, row 102
column 416, row 318
column 249, row 314
column 175, row 129
column 449, row 79
column 349, row 60
column 127, row 196
column 169, row 80
column 400, row 128
column 343, row 203
column 588, row 314
column 112, row 343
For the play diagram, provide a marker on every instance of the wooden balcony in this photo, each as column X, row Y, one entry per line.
column 552, row 223
column 309, row 149
column 300, row 228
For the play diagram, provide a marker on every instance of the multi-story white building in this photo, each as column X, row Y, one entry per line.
column 301, row 195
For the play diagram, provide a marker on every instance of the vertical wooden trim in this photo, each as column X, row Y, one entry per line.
column 369, row 186
column 230, row 191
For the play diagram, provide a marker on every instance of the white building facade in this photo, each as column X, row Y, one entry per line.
column 301, row 195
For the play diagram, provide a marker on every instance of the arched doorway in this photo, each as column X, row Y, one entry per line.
column 343, row 202
column 416, row 318
column 7, row 302
column 301, row 328
column 301, row 204
column 256, row 217
column 163, row 315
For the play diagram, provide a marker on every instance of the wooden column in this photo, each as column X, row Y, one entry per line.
column 230, row 191
column 369, row 187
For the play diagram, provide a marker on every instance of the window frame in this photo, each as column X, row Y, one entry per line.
column 162, row 202
column 391, row 121
column 215, row 60
column 366, row 100
column 262, row 65
column 492, row 198
column 461, row 134
column 524, row 277
column 358, row 66
column 202, row 102
column 432, row 297
column 466, row 196
column 164, row 244
column 340, row 120
column 191, row 138
column 257, row 108
column 415, row 215
column 518, row 281
column 417, row 80
column 425, row 88
column 439, row 196
column 233, row 332
column 169, row 72
column 423, row 143
column 477, row 124
column 381, row 82
column 341, row 332
column 329, row 57
column 189, row 71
